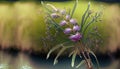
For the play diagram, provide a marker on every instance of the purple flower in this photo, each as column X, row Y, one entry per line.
column 67, row 30
column 73, row 21
column 62, row 23
column 54, row 15
column 67, row 17
column 75, row 37
column 76, row 28
column 63, row 12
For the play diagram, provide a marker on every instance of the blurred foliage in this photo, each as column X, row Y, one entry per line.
column 109, row 1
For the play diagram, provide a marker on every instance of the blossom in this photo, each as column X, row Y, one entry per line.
column 75, row 37
column 73, row 21
column 76, row 28
column 62, row 23
column 67, row 30
column 63, row 12
column 54, row 15
column 67, row 17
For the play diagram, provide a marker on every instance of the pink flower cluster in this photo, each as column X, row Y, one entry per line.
column 71, row 26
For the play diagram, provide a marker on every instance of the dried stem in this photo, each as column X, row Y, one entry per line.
column 87, row 60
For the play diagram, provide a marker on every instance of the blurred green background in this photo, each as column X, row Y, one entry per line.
column 22, row 23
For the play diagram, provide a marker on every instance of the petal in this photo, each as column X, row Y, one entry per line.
column 67, row 17
column 67, row 30
column 76, row 28
column 62, row 23
column 73, row 21
column 54, row 15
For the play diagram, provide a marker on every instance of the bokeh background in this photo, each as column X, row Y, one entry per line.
column 22, row 32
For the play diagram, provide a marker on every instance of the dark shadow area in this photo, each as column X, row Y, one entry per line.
column 117, row 54
column 38, row 59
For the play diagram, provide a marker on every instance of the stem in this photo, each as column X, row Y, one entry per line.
column 87, row 61
column 97, row 15
column 84, row 15
column 75, row 5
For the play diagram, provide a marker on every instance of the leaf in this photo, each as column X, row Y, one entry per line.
column 98, row 66
column 83, row 17
column 71, row 54
column 45, row 6
column 53, row 49
column 52, row 6
column 92, row 21
column 83, row 61
column 75, row 5
column 55, row 61
column 73, row 58
column 60, row 52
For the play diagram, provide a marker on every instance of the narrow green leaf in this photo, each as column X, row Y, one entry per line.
column 59, row 53
column 92, row 21
column 98, row 66
column 42, row 3
column 69, row 10
column 53, row 7
column 75, row 5
column 53, row 49
column 82, row 62
column 84, row 15
column 55, row 61
column 71, row 54
column 73, row 58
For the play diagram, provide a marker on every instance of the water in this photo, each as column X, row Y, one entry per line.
column 20, row 60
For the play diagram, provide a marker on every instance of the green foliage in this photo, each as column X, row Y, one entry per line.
column 75, row 5
column 73, row 58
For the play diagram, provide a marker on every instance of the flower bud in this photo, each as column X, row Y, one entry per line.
column 54, row 15
column 62, row 23
column 75, row 37
column 67, row 17
column 76, row 28
column 67, row 30
column 63, row 12
column 73, row 21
